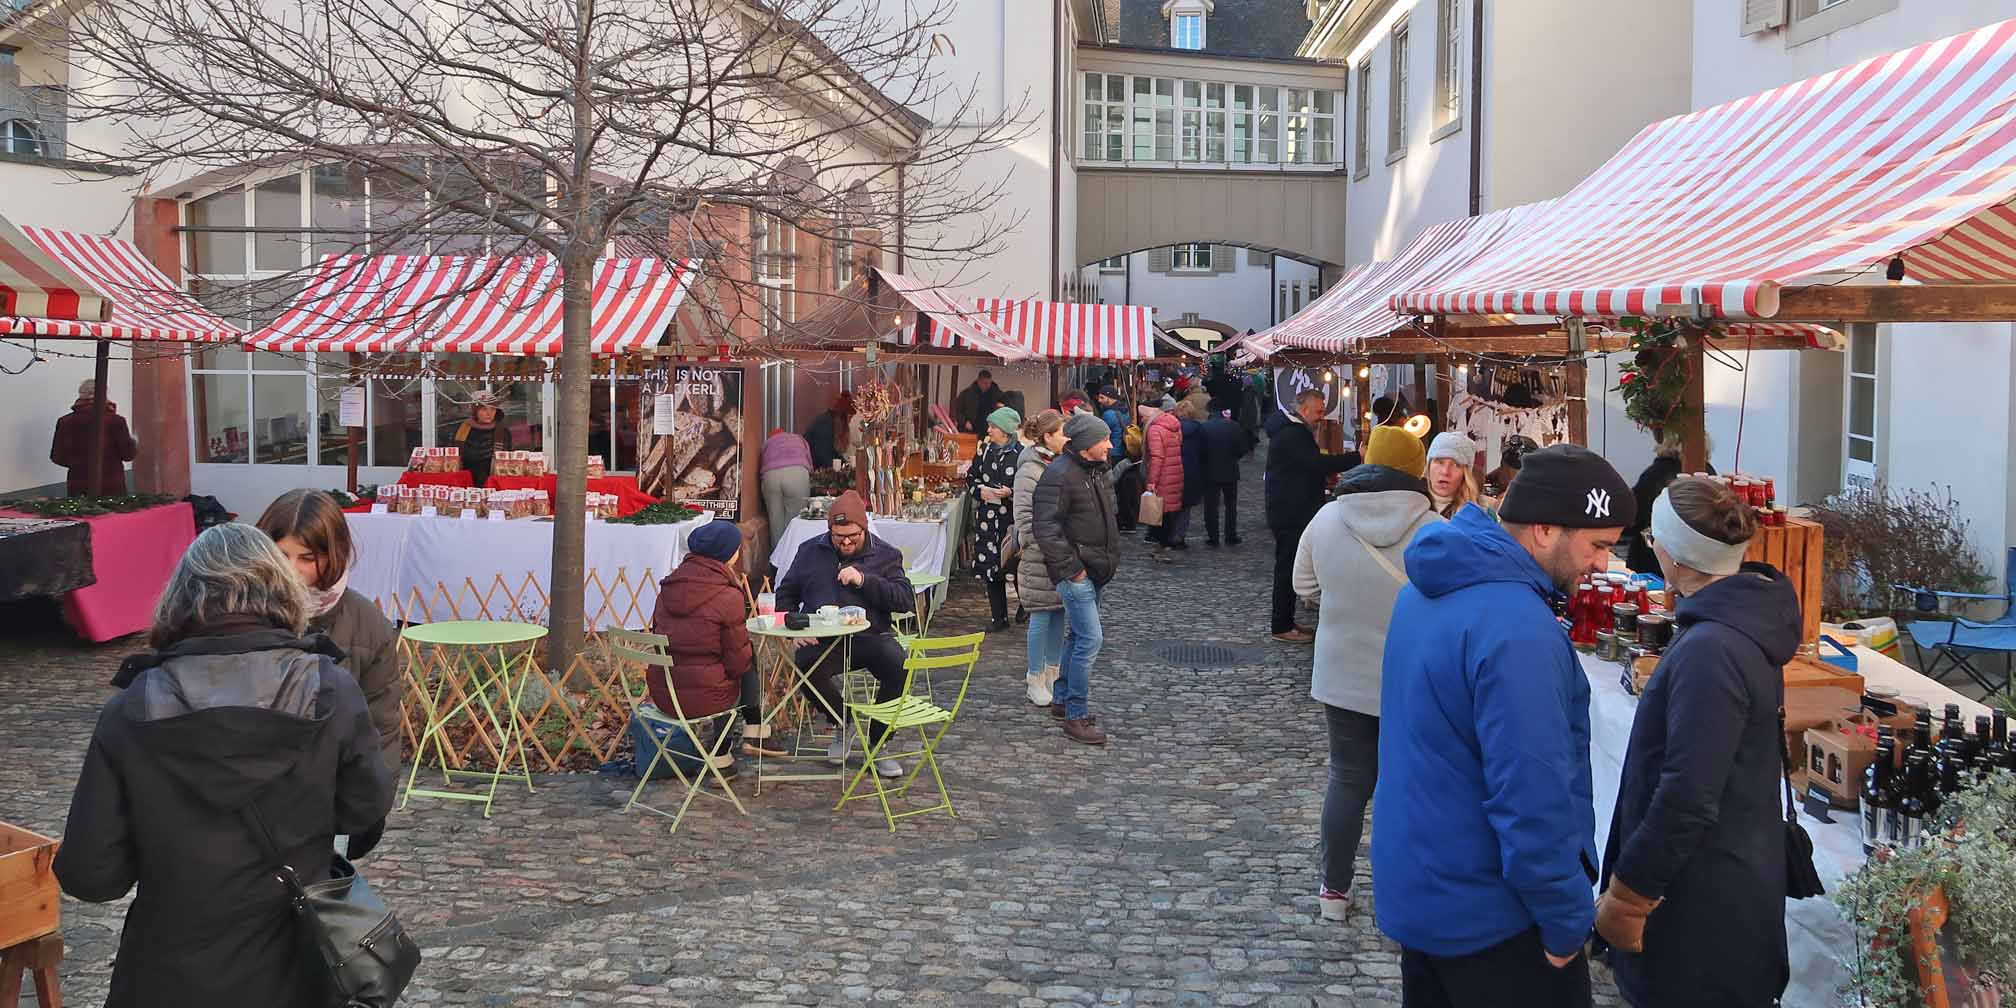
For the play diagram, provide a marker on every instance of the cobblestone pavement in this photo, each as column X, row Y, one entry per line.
column 1175, row 866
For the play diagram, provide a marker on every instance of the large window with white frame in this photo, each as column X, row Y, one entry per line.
column 1179, row 121
column 1448, row 66
column 1863, row 386
column 776, row 244
column 1361, row 157
column 1396, row 96
column 245, row 250
column 1191, row 258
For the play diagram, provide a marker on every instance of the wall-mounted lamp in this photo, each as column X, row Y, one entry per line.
column 1417, row 424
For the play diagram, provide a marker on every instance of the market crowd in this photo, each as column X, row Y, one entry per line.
column 262, row 723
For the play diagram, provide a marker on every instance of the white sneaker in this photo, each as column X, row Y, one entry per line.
column 1050, row 675
column 887, row 768
column 1336, row 906
column 1039, row 689
column 836, row 750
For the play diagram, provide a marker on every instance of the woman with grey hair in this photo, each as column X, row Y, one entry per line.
column 234, row 738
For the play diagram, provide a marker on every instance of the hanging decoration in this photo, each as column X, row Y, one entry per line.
column 1654, row 384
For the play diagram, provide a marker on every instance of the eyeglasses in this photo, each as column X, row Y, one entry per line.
column 1648, row 537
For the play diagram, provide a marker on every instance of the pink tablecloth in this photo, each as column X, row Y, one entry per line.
column 133, row 555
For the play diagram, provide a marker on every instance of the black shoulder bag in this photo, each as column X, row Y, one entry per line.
column 1802, row 881
column 365, row 956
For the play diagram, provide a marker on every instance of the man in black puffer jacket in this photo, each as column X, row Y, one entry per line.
column 1076, row 526
column 1296, row 473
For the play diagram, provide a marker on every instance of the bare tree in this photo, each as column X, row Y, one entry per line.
column 556, row 127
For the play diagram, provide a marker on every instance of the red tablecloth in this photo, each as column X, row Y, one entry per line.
column 458, row 478
column 630, row 499
column 132, row 554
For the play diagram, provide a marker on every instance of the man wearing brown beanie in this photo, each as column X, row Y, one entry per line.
column 848, row 566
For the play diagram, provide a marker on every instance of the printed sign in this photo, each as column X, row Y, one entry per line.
column 350, row 407
column 697, row 427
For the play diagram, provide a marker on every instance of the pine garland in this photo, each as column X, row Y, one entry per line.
column 87, row 507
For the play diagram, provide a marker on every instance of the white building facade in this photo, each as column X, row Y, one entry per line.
column 1918, row 406
column 1222, row 286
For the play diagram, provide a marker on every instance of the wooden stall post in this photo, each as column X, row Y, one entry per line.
column 1694, row 429
column 97, row 483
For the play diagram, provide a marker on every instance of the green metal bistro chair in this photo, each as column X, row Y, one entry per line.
column 648, row 651
column 908, row 712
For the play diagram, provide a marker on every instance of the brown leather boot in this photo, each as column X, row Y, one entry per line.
column 1083, row 730
column 1057, row 711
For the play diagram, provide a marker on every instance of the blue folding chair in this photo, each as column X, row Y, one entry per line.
column 1958, row 643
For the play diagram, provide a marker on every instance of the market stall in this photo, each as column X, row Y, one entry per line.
column 928, row 546
column 65, row 285
column 1818, row 936
column 422, row 569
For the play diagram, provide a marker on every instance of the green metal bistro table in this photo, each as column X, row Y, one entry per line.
column 778, row 638
column 470, row 669
column 925, row 585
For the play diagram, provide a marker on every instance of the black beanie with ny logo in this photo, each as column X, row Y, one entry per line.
column 1570, row 486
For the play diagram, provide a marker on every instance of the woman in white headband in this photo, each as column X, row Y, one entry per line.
column 1695, row 865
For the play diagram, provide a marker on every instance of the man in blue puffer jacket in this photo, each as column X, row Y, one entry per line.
column 1483, row 855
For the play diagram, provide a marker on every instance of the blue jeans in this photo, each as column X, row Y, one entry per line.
column 1081, row 644
column 1354, row 772
column 1046, row 640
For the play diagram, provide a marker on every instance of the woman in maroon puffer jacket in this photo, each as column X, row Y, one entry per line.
column 702, row 611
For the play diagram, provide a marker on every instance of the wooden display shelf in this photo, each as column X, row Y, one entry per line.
column 1796, row 549
column 29, row 895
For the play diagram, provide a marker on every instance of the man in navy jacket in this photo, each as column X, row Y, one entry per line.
column 1484, row 858
column 849, row 567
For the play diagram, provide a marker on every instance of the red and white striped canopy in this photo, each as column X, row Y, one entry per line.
column 1061, row 331
column 1359, row 308
column 953, row 324
column 107, row 290
column 1910, row 154
column 467, row 304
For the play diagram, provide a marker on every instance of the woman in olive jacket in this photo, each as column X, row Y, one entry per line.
column 309, row 528
column 1694, row 904
column 1038, row 594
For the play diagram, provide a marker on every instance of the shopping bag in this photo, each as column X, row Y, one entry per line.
column 679, row 747
column 1151, row 508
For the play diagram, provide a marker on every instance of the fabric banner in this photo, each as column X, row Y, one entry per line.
column 700, row 462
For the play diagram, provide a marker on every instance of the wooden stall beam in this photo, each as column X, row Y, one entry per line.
column 1694, row 433
column 1902, row 303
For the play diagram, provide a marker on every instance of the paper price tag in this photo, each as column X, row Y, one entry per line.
column 468, row 514
column 427, row 511
column 496, row 516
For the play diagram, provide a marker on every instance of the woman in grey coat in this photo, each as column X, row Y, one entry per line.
column 1353, row 555
column 1045, row 434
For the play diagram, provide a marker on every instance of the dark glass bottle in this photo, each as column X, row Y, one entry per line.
column 1984, row 734
column 1983, row 766
column 1878, row 796
column 1921, row 737
column 1998, row 751
column 1918, row 806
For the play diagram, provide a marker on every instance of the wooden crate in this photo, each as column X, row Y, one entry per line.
column 29, row 895
column 1795, row 548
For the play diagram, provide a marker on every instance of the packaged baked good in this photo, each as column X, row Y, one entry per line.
column 595, row 469
column 417, row 461
column 539, row 503
column 534, row 464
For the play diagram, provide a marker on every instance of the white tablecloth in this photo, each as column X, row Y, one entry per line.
column 1816, row 934
column 420, row 569
column 926, row 545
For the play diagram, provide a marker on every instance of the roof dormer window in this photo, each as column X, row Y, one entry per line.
column 1186, row 22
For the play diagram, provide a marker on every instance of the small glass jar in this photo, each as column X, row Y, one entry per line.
column 1606, row 645
column 1624, row 622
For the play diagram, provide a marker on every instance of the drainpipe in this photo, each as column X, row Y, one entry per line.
column 1476, row 107
column 1273, row 294
column 1056, row 134
column 902, row 212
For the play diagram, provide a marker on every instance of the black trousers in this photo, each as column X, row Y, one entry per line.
column 1285, row 541
column 878, row 653
column 1127, row 497
column 1229, row 494
column 997, row 598
column 1511, row 974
